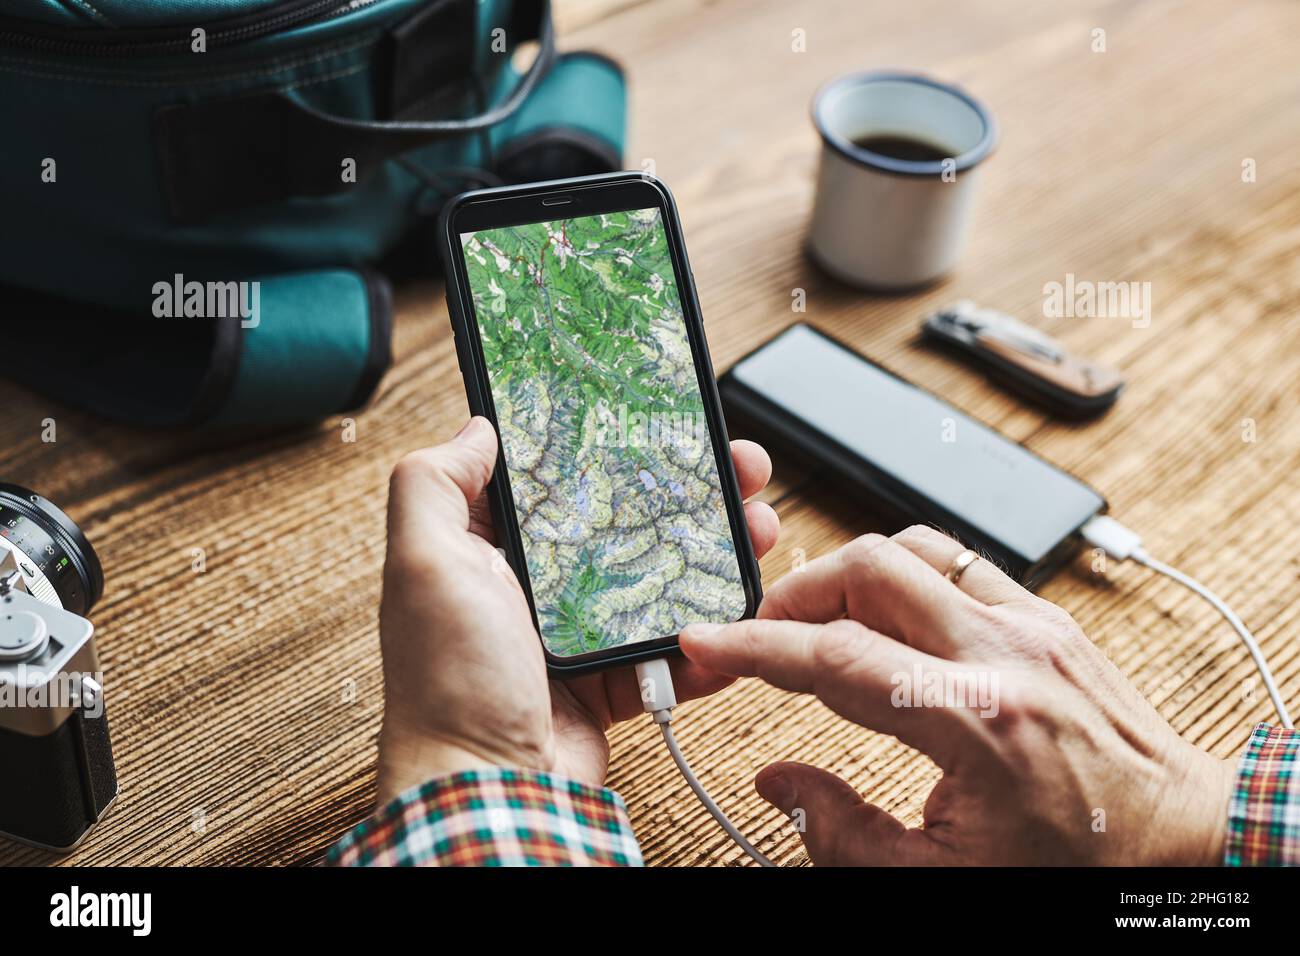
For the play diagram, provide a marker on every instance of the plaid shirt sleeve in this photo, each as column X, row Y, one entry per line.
column 1264, row 814
column 494, row 818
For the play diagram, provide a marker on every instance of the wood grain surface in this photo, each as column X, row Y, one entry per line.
column 245, row 700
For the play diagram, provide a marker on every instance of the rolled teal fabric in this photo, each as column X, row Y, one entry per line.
column 317, row 344
column 92, row 167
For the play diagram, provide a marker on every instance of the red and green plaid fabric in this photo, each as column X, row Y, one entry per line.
column 523, row 818
column 494, row 818
column 1264, row 813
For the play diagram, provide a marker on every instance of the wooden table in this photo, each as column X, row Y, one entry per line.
column 245, row 700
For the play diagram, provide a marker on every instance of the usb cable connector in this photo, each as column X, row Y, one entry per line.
column 1122, row 544
column 659, row 698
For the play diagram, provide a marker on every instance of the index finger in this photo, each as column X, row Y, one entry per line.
column 858, row 673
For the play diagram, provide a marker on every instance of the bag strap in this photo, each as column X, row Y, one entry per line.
column 228, row 154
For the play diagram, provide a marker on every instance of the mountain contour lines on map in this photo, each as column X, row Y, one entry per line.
column 603, row 429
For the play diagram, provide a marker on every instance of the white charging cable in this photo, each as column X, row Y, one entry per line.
column 1121, row 544
column 659, row 699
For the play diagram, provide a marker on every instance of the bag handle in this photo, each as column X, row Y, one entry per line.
column 219, row 155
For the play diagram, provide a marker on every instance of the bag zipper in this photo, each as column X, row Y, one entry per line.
column 160, row 41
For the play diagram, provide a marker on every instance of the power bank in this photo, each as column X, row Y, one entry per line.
column 908, row 451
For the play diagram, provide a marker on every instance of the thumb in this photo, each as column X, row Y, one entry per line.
column 434, row 486
column 837, row 826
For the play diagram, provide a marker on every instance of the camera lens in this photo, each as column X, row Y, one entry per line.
column 57, row 562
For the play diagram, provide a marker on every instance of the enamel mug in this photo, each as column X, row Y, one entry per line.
column 899, row 165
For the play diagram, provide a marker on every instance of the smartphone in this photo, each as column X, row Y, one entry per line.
column 579, row 336
column 904, row 448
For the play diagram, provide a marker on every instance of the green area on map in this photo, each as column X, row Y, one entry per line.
column 602, row 424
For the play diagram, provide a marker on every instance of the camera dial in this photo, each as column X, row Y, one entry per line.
column 53, row 556
column 23, row 635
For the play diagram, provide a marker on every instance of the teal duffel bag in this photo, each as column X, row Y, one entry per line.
column 204, row 199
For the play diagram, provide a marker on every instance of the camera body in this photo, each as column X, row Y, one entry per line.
column 53, row 726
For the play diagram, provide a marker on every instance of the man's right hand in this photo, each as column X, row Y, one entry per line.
column 1052, row 757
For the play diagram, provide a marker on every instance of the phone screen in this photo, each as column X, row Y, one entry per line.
column 603, row 429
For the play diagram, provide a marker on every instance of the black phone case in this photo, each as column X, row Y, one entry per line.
column 861, row 477
column 469, row 356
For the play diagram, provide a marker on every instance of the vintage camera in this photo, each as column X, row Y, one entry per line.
column 54, row 745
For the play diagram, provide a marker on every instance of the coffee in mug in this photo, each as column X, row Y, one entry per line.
column 897, row 177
